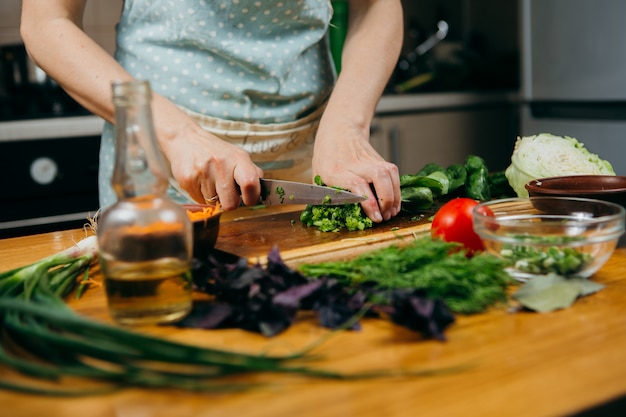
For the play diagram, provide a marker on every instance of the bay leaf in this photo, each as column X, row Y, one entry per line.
column 548, row 298
column 538, row 283
column 587, row 287
column 551, row 292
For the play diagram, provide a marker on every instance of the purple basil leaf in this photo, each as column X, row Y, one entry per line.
column 333, row 316
column 292, row 296
column 273, row 256
column 418, row 312
column 261, row 315
column 274, row 319
column 357, row 301
column 272, row 328
column 206, row 316
column 245, row 278
column 277, row 268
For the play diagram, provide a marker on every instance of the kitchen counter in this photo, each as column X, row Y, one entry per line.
column 518, row 364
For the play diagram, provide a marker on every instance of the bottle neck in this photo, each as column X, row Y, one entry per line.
column 140, row 168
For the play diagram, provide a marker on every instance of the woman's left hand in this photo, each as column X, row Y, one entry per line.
column 349, row 161
column 343, row 156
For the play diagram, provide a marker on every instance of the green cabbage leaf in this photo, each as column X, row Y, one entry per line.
column 546, row 155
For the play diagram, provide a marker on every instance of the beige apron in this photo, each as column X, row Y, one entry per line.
column 281, row 150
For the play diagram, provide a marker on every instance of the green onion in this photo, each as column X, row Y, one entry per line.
column 564, row 261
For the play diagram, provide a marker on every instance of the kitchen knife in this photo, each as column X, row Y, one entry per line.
column 274, row 192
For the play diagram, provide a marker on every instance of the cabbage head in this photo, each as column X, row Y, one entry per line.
column 547, row 155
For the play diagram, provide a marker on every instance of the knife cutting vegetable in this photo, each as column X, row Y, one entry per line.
column 333, row 218
column 274, row 192
column 290, row 192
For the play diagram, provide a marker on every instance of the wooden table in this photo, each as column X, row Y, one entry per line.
column 523, row 364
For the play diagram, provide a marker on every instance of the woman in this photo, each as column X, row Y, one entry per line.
column 243, row 89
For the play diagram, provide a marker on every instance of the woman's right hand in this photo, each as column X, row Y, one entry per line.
column 206, row 166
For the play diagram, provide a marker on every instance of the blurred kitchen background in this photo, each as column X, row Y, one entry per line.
column 473, row 75
column 48, row 143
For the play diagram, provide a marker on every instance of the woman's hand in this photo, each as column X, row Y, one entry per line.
column 208, row 167
column 348, row 160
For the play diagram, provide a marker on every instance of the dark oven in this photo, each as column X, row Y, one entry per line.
column 49, row 148
column 49, row 181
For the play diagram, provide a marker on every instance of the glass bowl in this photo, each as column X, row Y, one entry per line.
column 543, row 235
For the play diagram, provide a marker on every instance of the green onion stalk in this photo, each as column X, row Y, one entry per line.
column 51, row 347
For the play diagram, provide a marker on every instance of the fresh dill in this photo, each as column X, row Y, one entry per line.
column 466, row 284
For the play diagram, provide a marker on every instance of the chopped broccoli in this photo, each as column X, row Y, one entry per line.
column 281, row 193
column 335, row 218
column 329, row 218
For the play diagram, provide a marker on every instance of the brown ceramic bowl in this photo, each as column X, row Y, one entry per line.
column 205, row 230
column 610, row 188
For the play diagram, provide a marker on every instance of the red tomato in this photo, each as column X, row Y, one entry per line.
column 453, row 223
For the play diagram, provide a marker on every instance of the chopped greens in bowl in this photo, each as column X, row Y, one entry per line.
column 571, row 237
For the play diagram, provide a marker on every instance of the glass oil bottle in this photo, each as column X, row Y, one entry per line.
column 145, row 238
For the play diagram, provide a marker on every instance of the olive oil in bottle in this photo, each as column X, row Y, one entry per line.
column 145, row 238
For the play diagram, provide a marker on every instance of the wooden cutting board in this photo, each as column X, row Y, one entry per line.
column 253, row 234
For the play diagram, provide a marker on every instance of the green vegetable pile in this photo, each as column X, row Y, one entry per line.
column 466, row 284
column 419, row 192
column 434, row 182
column 562, row 261
column 335, row 218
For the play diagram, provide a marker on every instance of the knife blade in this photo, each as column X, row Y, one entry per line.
column 274, row 192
